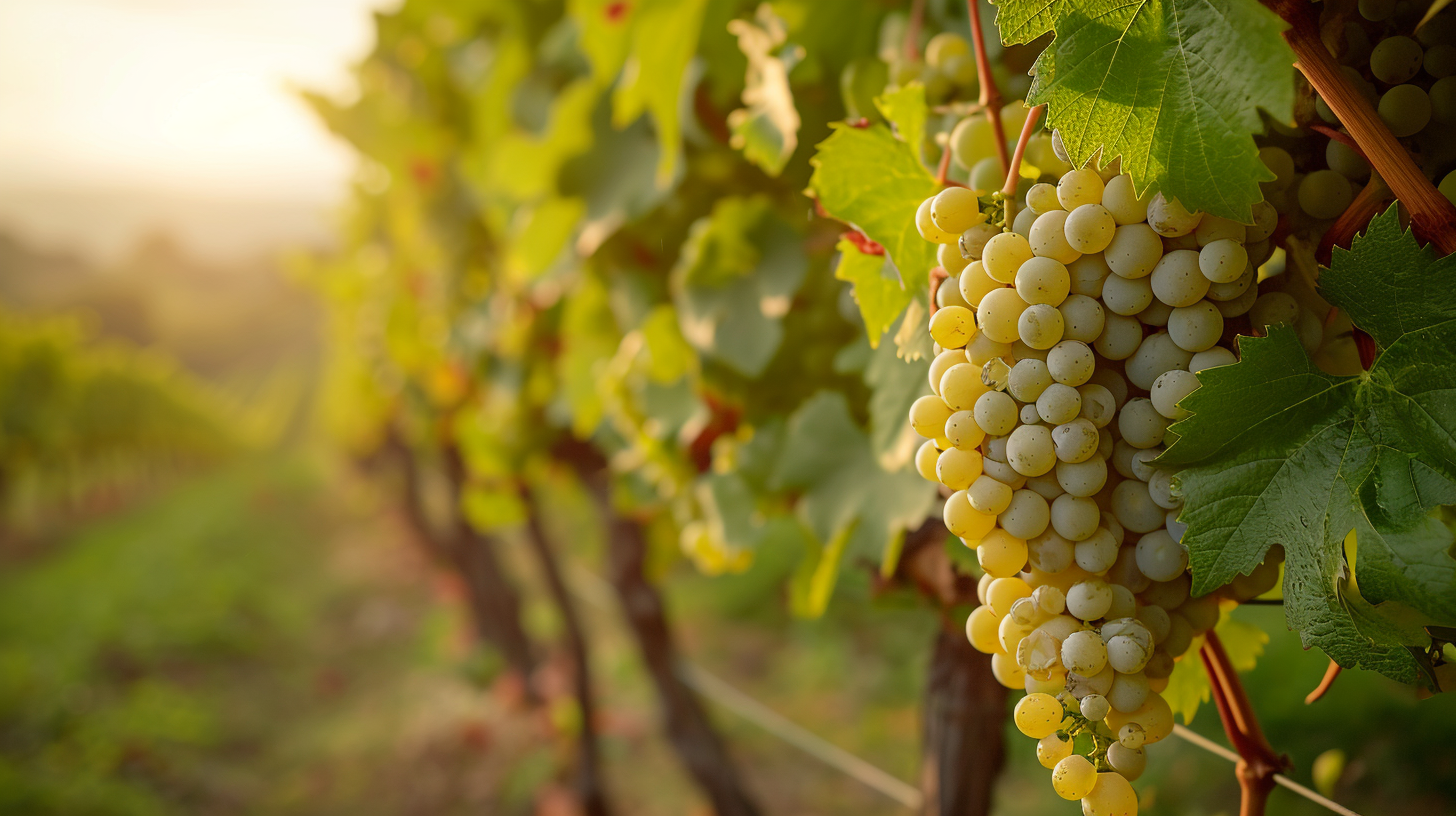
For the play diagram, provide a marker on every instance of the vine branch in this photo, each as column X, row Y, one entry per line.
column 990, row 93
column 1013, row 175
column 1258, row 764
column 1432, row 217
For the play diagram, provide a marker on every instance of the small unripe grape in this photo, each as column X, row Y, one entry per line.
column 1324, row 194
column 1405, row 109
column 1004, row 254
column 1048, row 237
column 1090, row 228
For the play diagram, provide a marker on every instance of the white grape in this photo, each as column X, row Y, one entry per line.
column 1075, row 441
column 1155, row 355
column 1082, row 318
column 1124, row 204
column 1043, row 280
column 1048, row 237
column 1223, row 261
column 1040, row 326
column 1059, row 403
column 1126, row 296
column 1120, row 337
column 1087, row 273
column 1169, row 219
column 1050, row 552
column 1163, row 492
column 1028, row 379
column 1083, row 478
column 1030, row 450
column 996, row 413
column 975, row 284
column 1090, row 228
column 1126, row 761
column 1097, row 553
column 1178, row 280
column 1156, row 314
column 1134, row 509
column 988, row 495
column 1089, row 600
column 1169, row 389
column 1027, row 516
column 1084, row 653
column 997, row 314
column 1128, row 693
column 1071, row 362
column 1133, row 252
column 1196, row 328
column 1075, row 518
column 1004, row 254
column 1140, row 423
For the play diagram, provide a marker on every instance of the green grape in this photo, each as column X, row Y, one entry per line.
column 1374, row 10
column 961, row 69
column 1357, row 49
column 945, row 45
column 1280, row 163
column 1395, row 59
column 1406, row 109
column 1345, row 161
column 1043, row 198
column 971, row 140
column 859, row 83
column 986, row 174
column 1443, row 100
column 1441, row 60
column 1440, row 29
column 1043, row 280
column 1325, row 194
column 955, row 209
column 1322, row 109
column 1448, row 187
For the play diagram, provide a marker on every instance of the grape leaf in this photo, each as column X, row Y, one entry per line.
column 874, row 182
column 1277, row 451
column 654, row 79
column 844, row 494
column 767, row 128
column 895, row 383
column 735, row 280
column 904, row 107
column 1188, row 686
column 877, row 288
column 1170, row 86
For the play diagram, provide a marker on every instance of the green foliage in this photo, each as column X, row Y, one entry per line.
column 1277, row 451
column 881, row 296
column 1172, row 87
column 767, row 129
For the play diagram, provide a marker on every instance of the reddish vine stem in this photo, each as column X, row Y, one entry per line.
column 1331, row 672
column 1013, row 176
column 1342, row 138
column 1258, row 763
column 912, row 31
column 942, row 173
column 1432, row 216
column 990, row 93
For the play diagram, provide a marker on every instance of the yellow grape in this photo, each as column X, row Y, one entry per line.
column 1038, row 715
column 965, row 521
column 1003, row 592
column 955, row 210
column 1112, row 795
column 928, row 230
column 1074, row 777
column 952, row 326
column 981, row 629
column 925, row 459
column 1007, row 673
column 1052, row 748
column 957, row 468
column 1001, row 554
column 928, row 415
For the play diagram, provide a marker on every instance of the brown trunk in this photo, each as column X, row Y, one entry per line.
column 589, row 786
column 691, row 733
column 965, row 718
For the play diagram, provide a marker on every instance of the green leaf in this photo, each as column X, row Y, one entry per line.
column 669, row 356
column 1277, row 451
column 874, row 182
column 589, row 337
column 814, row 581
column 1188, row 686
column 605, row 28
column 843, row 491
column 735, row 281
column 655, row 76
column 877, row 288
column 1170, row 86
column 904, row 107
column 860, row 81
column 767, row 128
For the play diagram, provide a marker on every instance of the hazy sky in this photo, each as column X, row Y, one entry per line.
column 187, row 97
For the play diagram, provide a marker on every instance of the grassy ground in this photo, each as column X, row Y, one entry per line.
column 267, row 640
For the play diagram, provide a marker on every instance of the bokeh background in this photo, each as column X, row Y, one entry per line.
column 205, row 608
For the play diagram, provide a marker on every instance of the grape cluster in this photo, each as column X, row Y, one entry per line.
column 1409, row 75
column 1064, row 346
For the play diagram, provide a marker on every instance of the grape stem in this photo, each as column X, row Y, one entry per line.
column 1331, row 672
column 1432, row 217
column 1013, row 176
column 942, row 173
column 1258, row 764
column 990, row 93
